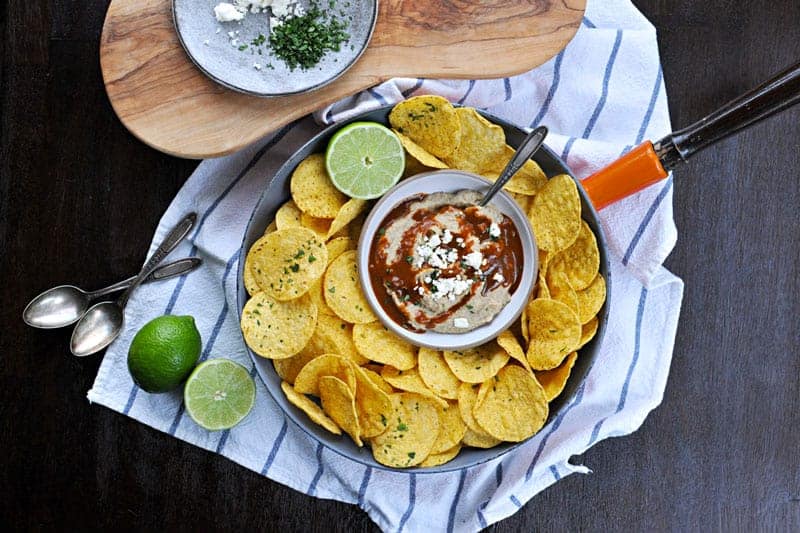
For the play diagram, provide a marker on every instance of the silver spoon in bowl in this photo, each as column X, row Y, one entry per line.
column 526, row 149
column 64, row 305
column 103, row 322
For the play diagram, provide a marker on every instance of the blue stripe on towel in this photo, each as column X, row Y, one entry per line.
column 469, row 90
column 179, row 286
column 451, row 520
column 646, row 220
column 664, row 190
column 552, row 91
column 362, row 491
column 412, row 500
column 377, row 96
column 588, row 23
column 515, row 501
column 553, row 428
column 498, row 474
column 410, row 91
column 312, row 489
column 651, row 106
column 606, row 78
column 223, row 314
column 567, row 148
column 275, row 447
column 555, row 473
column 603, row 96
column 507, row 86
column 636, row 348
column 224, row 438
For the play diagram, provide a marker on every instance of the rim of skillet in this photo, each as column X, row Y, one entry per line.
column 469, row 457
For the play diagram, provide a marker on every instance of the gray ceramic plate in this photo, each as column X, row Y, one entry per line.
column 209, row 46
column 277, row 192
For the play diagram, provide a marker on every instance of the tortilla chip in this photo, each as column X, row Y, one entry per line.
column 275, row 329
column 312, row 189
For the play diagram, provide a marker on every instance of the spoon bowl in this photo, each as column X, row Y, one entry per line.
column 56, row 307
column 65, row 304
column 97, row 329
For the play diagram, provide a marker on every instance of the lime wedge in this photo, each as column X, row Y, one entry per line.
column 365, row 159
column 219, row 394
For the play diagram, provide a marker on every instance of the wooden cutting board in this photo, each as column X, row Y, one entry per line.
column 165, row 101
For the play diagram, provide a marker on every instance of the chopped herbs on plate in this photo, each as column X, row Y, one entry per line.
column 301, row 42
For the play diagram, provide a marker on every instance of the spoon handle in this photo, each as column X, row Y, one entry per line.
column 175, row 268
column 172, row 240
column 526, row 149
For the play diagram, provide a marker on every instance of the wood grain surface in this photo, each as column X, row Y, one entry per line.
column 165, row 101
column 80, row 198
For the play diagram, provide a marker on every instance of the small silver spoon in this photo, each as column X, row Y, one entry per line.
column 526, row 149
column 64, row 305
column 103, row 322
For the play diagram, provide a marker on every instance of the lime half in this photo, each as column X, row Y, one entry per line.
column 365, row 159
column 219, row 394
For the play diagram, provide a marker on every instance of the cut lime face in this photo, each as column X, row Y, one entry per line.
column 364, row 160
column 219, row 394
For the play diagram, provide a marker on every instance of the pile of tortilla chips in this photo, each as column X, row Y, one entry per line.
column 417, row 406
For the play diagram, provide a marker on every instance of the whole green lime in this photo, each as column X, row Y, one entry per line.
column 164, row 352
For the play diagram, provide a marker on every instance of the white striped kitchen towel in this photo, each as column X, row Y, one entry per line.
column 603, row 94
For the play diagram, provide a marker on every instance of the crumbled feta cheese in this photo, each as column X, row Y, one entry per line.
column 447, row 237
column 281, row 8
column 218, row 30
column 434, row 240
column 494, row 230
column 473, row 259
column 256, row 66
column 498, row 277
column 461, row 323
column 226, row 12
column 450, row 287
column 206, row 42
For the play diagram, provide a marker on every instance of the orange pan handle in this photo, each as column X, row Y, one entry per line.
column 649, row 163
column 639, row 168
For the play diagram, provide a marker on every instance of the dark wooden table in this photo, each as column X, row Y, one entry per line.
column 80, row 197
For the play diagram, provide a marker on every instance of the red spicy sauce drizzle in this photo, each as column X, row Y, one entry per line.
column 503, row 255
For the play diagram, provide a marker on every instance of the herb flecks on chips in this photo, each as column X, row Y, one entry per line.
column 419, row 407
column 429, row 121
column 275, row 329
column 287, row 262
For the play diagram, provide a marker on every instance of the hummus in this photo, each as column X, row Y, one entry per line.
column 439, row 262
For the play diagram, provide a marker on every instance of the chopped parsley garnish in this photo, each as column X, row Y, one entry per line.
column 295, row 267
column 402, row 427
column 301, row 42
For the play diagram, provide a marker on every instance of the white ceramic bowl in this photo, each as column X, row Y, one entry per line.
column 450, row 181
